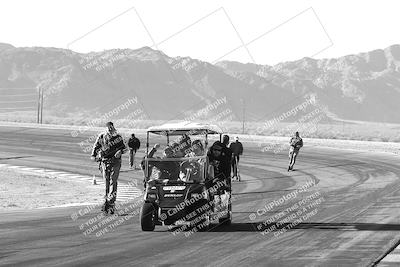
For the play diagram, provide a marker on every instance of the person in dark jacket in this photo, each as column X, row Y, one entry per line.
column 107, row 149
column 216, row 159
column 227, row 156
column 134, row 145
column 237, row 150
column 220, row 157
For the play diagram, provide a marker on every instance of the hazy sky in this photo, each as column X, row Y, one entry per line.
column 264, row 32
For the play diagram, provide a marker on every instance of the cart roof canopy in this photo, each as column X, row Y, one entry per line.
column 185, row 127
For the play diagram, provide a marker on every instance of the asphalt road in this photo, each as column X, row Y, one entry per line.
column 347, row 216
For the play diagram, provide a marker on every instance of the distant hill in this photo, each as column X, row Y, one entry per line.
column 356, row 87
column 4, row 46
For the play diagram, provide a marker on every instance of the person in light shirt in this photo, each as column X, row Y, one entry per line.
column 296, row 142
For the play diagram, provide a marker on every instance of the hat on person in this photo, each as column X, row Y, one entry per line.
column 109, row 124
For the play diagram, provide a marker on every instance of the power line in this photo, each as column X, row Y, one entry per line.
column 41, row 106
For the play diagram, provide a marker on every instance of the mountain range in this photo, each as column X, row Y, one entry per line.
column 360, row 87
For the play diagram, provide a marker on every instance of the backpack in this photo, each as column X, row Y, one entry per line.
column 136, row 143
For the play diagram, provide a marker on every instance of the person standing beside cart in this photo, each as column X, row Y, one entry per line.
column 227, row 158
column 237, row 150
column 134, row 145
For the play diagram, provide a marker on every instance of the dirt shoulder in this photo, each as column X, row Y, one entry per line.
column 25, row 191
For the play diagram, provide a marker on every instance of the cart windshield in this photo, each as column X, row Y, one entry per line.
column 187, row 169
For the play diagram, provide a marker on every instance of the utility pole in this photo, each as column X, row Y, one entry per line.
column 243, row 114
column 41, row 107
column 38, row 105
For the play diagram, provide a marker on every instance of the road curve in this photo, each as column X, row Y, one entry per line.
column 338, row 208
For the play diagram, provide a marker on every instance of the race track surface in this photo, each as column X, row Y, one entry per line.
column 348, row 213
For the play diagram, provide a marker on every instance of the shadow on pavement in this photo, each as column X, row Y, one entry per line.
column 262, row 192
column 260, row 227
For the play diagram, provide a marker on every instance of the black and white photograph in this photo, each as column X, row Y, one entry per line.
column 200, row 133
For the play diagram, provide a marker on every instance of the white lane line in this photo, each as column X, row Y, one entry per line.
column 41, row 171
column 66, row 174
column 71, row 205
column 75, row 177
column 28, row 169
column 54, row 173
column 4, row 164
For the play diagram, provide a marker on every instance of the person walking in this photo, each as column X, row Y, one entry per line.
column 296, row 142
column 237, row 150
column 107, row 149
column 227, row 158
column 134, row 145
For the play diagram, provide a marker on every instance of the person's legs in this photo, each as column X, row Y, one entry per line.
column 236, row 160
column 228, row 183
column 114, row 179
column 237, row 168
column 133, row 158
column 131, row 155
column 295, row 154
column 290, row 158
column 234, row 166
column 106, row 177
